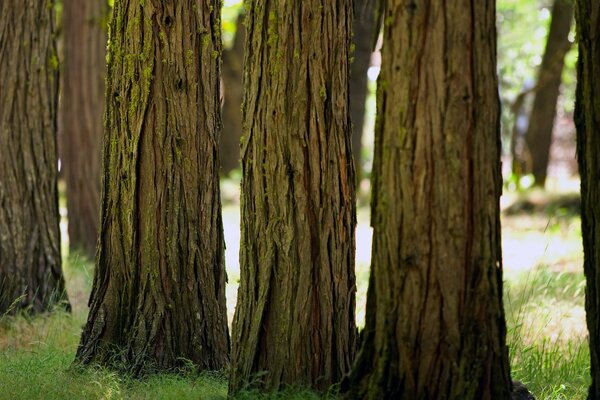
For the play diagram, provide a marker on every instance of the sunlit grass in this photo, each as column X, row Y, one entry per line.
column 544, row 302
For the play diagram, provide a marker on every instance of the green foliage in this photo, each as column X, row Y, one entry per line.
column 229, row 14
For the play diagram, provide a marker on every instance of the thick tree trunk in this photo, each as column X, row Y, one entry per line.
column 82, row 105
column 364, row 36
column 159, row 289
column 587, row 120
column 541, row 121
column 30, row 265
column 294, row 319
column 233, row 68
column 435, row 324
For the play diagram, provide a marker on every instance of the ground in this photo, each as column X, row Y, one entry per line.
column 544, row 297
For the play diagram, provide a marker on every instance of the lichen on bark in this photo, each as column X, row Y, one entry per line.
column 159, row 288
column 294, row 320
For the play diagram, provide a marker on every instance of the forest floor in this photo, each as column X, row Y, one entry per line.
column 543, row 291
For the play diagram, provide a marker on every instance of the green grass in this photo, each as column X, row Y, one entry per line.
column 544, row 293
column 546, row 333
column 544, row 302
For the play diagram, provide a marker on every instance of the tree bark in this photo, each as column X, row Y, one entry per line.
column 294, row 320
column 30, row 265
column 82, row 104
column 159, row 288
column 541, row 121
column 233, row 68
column 364, row 36
column 435, row 325
column 587, row 120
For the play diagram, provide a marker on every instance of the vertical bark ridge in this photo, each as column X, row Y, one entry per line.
column 435, row 322
column 159, row 288
column 294, row 321
column 30, row 264
column 587, row 120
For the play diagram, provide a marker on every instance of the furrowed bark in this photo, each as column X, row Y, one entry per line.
column 294, row 321
column 435, row 324
column 587, row 120
column 30, row 264
column 159, row 288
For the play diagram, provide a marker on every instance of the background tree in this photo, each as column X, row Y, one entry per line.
column 541, row 121
column 30, row 265
column 587, row 120
column 294, row 318
column 82, row 104
column 159, row 287
column 435, row 323
column 233, row 66
column 364, row 36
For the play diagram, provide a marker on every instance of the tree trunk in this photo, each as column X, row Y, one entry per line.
column 233, row 68
column 364, row 36
column 30, row 265
column 159, row 289
column 587, row 120
column 541, row 121
column 435, row 325
column 294, row 319
column 82, row 104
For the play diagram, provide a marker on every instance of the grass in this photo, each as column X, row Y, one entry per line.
column 544, row 299
column 547, row 333
column 544, row 294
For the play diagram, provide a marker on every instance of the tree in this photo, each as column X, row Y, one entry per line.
column 82, row 103
column 159, row 288
column 294, row 320
column 30, row 265
column 541, row 121
column 233, row 65
column 587, row 120
column 435, row 325
column 364, row 35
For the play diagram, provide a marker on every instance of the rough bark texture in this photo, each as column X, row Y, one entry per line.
column 587, row 120
column 233, row 69
column 435, row 324
column 294, row 321
column 159, row 288
column 541, row 121
column 82, row 106
column 30, row 264
column 364, row 37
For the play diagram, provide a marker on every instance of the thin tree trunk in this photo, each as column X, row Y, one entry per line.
column 364, row 36
column 233, row 68
column 294, row 319
column 541, row 121
column 435, row 325
column 159, row 289
column 587, row 120
column 30, row 265
column 82, row 105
